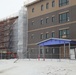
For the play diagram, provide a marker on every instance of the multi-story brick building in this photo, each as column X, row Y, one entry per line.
column 51, row 19
column 6, row 35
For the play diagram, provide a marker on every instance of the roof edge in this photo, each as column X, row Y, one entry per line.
column 54, row 39
column 29, row 4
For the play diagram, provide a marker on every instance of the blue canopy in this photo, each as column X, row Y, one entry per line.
column 55, row 41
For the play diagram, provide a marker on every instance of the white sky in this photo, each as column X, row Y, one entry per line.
column 9, row 7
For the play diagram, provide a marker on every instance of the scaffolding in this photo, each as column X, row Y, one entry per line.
column 14, row 36
column 22, row 33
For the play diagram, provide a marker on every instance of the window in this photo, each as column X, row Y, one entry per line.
column 41, row 21
column 32, row 36
column 53, row 19
column 41, row 36
column 63, row 2
column 47, row 20
column 53, row 50
column 40, row 51
column 47, row 5
column 47, row 35
column 53, row 34
column 47, row 51
column 32, row 9
column 64, row 17
column 42, row 7
column 64, row 33
column 32, row 22
column 53, row 3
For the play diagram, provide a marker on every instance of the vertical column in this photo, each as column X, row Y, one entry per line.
column 69, row 50
column 43, row 51
column 64, row 49
column 39, row 54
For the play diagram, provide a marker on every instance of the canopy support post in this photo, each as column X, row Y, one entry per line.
column 43, row 50
column 64, row 49
column 39, row 54
column 69, row 50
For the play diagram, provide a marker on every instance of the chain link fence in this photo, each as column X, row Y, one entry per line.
column 52, row 53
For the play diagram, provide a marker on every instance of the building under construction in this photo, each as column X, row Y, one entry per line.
column 14, row 36
column 6, row 38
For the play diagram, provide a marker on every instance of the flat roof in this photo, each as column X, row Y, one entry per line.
column 33, row 2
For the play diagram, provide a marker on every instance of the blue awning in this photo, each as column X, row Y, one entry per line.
column 56, row 41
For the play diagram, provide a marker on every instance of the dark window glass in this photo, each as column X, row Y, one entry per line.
column 63, row 2
column 41, row 36
column 40, row 51
column 47, row 5
column 53, row 3
column 53, row 34
column 42, row 7
column 47, row 20
column 64, row 17
column 46, row 51
column 32, row 22
column 64, row 33
column 32, row 9
column 47, row 35
column 42, row 21
column 53, row 19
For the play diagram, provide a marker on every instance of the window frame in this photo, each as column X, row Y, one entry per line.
column 32, row 9
column 47, row 20
column 53, row 34
column 63, row 3
column 47, row 5
column 32, row 22
column 61, row 33
column 47, row 35
column 41, row 22
column 64, row 17
column 53, row 18
column 41, row 36
column 42, row 7
column 53, row 3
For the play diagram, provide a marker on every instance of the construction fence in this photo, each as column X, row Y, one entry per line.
column 52, row 53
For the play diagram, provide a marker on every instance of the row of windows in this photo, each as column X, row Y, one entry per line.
column 64, row 17
column 62, row 34
column 48, row 51
column 61, row 3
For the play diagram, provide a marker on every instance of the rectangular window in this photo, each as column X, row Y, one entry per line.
column 63, row 2
column 53, row 3
column 64, row 33
column 41, row 21
column 53, row 34
column 40, row 51
column 47, row 20
column 32, row 22
column 47, row 35
column 46, row 50
column 53, row 18
column 42, row 7
column 32, row 36
column 41, row 36
column 47, row 5
column 32, row 9
column 64, row 17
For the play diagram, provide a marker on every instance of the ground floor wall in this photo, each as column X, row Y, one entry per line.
column 7, row 55
column 53, row 52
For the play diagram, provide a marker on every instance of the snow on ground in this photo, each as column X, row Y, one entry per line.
column 35, row 67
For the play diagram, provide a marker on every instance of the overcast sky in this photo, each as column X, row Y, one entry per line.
column 9, row 7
